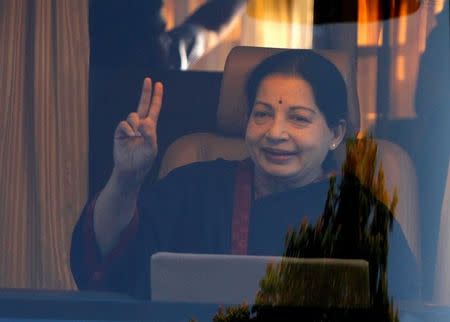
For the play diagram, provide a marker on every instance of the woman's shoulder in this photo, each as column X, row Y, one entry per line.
column 203, row 174
column 189, row 186
column 204, row 168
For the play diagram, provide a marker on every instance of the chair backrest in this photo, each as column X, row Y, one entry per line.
column 228, row 142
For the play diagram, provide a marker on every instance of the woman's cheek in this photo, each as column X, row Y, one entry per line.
column 254, row 134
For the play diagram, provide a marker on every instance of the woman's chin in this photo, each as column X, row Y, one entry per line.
column 280, row 170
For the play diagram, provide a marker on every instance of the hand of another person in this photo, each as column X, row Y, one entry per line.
column 135, row 143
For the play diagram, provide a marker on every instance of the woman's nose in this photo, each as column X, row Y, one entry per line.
column 277, row 131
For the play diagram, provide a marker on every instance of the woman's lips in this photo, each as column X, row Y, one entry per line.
column 277, row 156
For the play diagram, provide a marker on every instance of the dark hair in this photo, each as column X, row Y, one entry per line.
column 327, row 83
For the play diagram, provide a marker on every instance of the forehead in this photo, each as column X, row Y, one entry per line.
column 289, row 90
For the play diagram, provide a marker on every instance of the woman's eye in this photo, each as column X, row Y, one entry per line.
column 261, row 117
column 260, row 114
column 300, row 119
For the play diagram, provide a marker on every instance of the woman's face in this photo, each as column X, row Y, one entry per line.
column 287, row 135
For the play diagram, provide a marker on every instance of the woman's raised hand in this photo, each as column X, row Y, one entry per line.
column 135, row 142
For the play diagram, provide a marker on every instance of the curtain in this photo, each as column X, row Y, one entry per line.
column 281, row 24
column 43, row 138
column 403, row 41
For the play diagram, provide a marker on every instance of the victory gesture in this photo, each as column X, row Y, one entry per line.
column 135, row 143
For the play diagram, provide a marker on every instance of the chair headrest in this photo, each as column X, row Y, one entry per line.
column 232, row 110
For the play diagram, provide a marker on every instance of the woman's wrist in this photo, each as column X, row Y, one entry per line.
column 114, row 209
column 125, row 184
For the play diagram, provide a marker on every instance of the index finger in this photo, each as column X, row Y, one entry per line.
column 146, row 95
column 155, row 106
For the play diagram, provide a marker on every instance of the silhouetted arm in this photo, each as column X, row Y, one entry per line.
column 202, row 31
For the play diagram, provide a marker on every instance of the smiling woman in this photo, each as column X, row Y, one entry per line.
column 289, row 140
column 292, row 124
column 224, row 207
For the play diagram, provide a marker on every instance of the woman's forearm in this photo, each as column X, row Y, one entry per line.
column 114, row 209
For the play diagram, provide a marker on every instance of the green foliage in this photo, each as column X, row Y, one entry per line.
column 239, row 313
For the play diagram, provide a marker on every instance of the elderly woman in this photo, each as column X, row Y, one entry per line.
column 297, row 116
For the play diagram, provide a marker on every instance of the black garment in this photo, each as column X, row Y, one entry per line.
column 190, row 211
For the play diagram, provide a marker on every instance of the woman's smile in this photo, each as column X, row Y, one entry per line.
column 278, row 155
